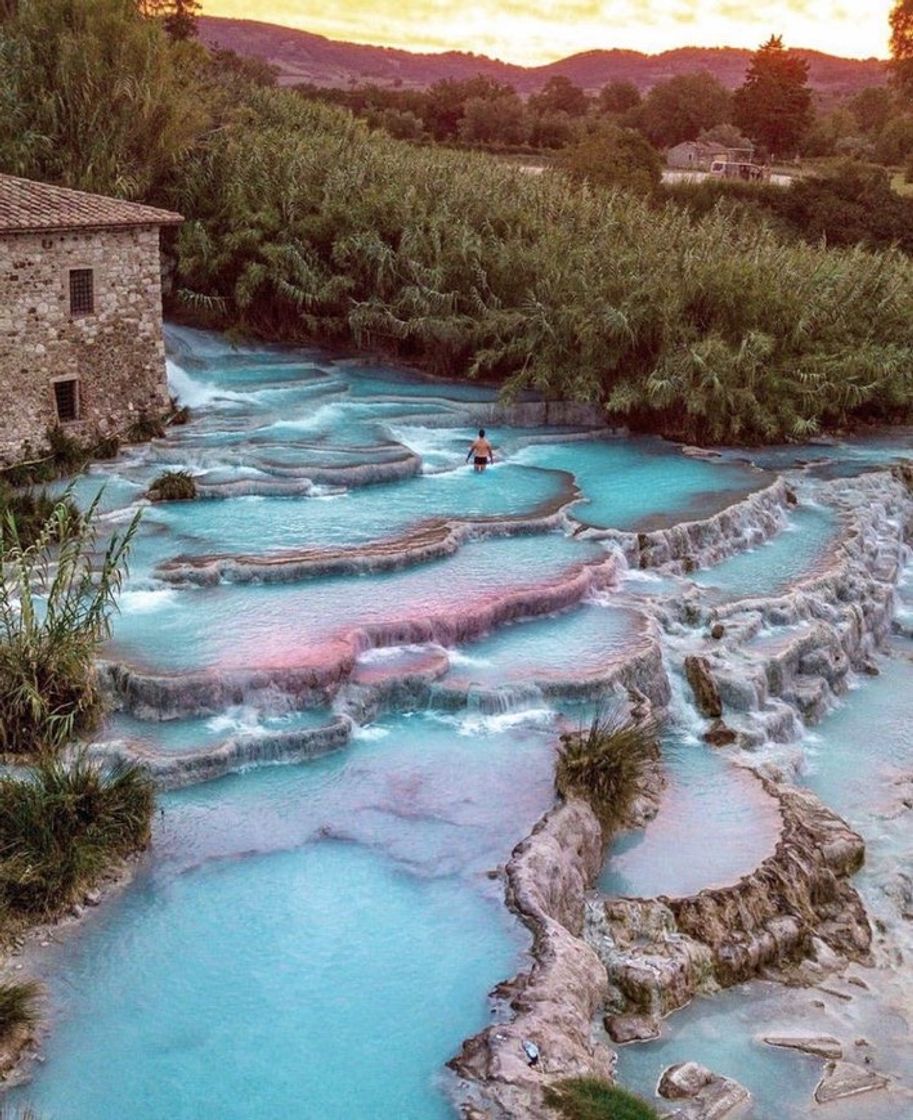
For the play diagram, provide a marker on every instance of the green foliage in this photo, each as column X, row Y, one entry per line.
column 17, row 1007
column 618, row 97
column 62, row 826
column 304, row 224
column 31, row 510
column 560, row 95
column 901, row 20
column 173, row 486
column 591, row 1098
column 894, row 144
column 92, row 96
column 605, row 762
column 613, row 157
column 849, row 203
column 774, row 105
column 56, row 601
column 145, row 428
column 683, row 107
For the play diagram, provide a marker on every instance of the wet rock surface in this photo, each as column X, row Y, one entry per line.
column 701, row 1094
column 705, row 689
column 845, row 1079
column 820, row 1045
column 659, row 953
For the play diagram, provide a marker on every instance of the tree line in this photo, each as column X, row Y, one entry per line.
column 303, row 223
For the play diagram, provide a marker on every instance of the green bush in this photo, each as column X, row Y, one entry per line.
column 604, row 763
column 304, row 225
column 56, row 602
column 17, row 1006
column 173, row 486
column 62, row 826
column 31, row 510
column 144, row 428
column 591, row 1098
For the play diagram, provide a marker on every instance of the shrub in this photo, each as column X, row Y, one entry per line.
column 31, row 510
column 591, row 1098
column 605, row 762
column 144, row 428
column 17, row 1007
column 173, row 486
column 63, row 825
column 55, row 609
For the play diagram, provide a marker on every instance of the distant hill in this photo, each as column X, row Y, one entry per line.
column 304, row 57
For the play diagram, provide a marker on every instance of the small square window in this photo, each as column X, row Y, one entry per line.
column 82, row 291
column 66, row 398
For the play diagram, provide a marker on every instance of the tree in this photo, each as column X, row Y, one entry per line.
column 181, row 19
column 560, row 95
column 446, row 102
column 774, row 104
column 94, row 96
column 901, row 20
column 610, row 156
column 725, row 134
column 499, row 120
column 895, row 141
column 872, row 107
column 683, row 107
column 618, row 97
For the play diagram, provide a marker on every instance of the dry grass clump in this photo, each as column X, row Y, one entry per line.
column 61, row 827
column 605, row 763
column 173, row 486
column 591, row 1098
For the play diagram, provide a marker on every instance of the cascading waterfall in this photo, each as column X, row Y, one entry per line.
column 349, row 597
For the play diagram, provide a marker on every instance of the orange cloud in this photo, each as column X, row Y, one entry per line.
column 537, row 31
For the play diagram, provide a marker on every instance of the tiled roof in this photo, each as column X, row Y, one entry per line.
column 27, row 206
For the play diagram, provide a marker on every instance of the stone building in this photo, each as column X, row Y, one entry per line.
column 80, row 314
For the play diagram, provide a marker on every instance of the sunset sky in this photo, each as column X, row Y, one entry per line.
column 536, row 31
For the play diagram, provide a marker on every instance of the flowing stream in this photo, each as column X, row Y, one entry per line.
column 314, row 940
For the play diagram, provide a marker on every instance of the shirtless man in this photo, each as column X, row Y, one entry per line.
column 481, row 452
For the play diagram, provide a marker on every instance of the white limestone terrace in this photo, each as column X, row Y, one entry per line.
column 280, row 618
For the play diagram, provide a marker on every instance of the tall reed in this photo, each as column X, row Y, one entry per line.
column 56, row 599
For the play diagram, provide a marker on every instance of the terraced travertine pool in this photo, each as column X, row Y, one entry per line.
column 315, row 940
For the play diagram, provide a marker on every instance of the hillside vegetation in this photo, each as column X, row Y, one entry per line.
column 712, row 328
column 302, row 224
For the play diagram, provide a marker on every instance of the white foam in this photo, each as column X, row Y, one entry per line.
column 195, row 392
column 146, row 600
column 370, row 733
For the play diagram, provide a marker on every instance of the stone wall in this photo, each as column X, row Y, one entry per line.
column 117, row 352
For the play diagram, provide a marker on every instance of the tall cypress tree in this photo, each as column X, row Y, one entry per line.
column 774, row 105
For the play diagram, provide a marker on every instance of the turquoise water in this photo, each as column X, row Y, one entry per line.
column 641, row 483
column 796, row 552
column 309, row 941
column 295, row 624
column 257, row 524
column 183, row 735
column 714, row 825
column 853, row 761
column 315, row 941
column 572, row 646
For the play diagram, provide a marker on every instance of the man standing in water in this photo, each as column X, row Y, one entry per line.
column 481, row 452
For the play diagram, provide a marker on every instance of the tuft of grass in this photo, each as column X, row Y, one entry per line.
column 56, row 601
column 144, row 428
column 173, row 486
column 17, row 1006
column 604, row 763
column 591, row 1098
column 63, row 825
column 31, row 510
